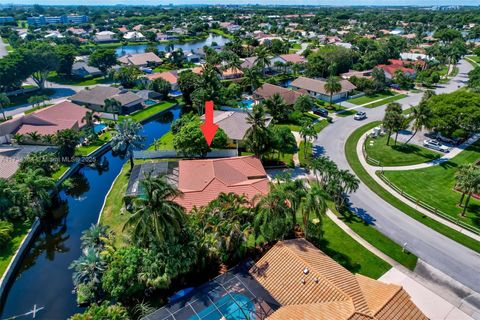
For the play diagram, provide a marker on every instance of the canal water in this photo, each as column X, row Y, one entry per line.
column 186, row 47
column 43, row 279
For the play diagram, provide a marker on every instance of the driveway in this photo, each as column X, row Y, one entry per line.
column 450, row 257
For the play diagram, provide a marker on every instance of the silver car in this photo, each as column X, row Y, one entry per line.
column 435, row 145
column 360, row 115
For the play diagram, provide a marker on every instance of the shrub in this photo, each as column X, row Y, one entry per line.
column 6, row 229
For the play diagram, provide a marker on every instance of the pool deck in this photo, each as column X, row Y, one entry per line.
column 226, row 293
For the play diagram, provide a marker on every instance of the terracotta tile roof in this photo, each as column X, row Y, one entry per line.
column 267, row 90
column 201, row 181
column 318, row 86
column 293, row 57
column 394, row 66
column 65, row 115
column 170, row 76
column 310, row 285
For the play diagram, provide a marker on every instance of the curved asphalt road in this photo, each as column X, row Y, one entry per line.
column 455, row 260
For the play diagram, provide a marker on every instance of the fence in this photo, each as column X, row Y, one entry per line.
column 370, row 160
column 428, row 207
column 155, row 154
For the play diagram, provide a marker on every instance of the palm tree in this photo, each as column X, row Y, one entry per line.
column 34, row 136
column 251, row 78
column 113, row 106
column 332, row 86
column 92, row 237
column 293, row 191
column 272, row 215
column 88, row 268
column 277, row 107
column 263, row 60
column 468, row 181
column 257, row 135
column 422, row 118
column 307, row 132
column 304, row 103
column 156, row 215
column 89, row 119
column 19, row 138
column 314, row 202
column 4, row 101
column 128, row 138
column 38, row 186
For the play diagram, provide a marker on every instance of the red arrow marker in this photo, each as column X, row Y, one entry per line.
column 209, row 128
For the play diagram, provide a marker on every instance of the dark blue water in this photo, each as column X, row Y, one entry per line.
column 186, row 47
column 43, row 278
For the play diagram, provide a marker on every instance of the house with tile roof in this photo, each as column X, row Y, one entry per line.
column 141, row 59
column 47, row 121
column 316, row 88
column 170, row 76
column 394, row 66
column 267, row 90
column 310, row 285
column 94, row 98
column 234, row 124
column 201, row 181
column 293, row 281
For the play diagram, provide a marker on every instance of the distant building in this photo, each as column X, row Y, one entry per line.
column 267, row 90
column 70, row 19
column 6, row 20
column 394, row 66
column 105, row 37
column 141, row 59
column 95, row 97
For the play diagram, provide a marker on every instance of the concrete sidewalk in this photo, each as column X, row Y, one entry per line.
column 372, row 172
column 444, row 299
column 448, row 156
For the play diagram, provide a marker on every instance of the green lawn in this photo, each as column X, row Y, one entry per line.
column 61, row 170
column 349, row 253
column 305, row 157
column 351, row 154
column 397, row 155
column 435, row 185
column 6, row 253
column 222, row 33
column 23, row 98
column 370, row 98
column 74, row 81
column 387, row 100
column 112, row 214
column 86, row 150
column 164, row 143
column 149, row 111
column 378, row 240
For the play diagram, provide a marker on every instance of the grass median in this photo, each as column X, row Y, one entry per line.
column 352, row 157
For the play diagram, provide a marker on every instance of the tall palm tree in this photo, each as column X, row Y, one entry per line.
column 277, row 107
column 89, row 119
column 307, row 132
column 251, row 78
column 468, row 181
column 422, row 118
column 112, row 105
column 314, row 202
column 89, row 268
column 128, row 138
column 156, row 216
column 293, row 191
column 263, row 60
column 4, row 101
column 332, row 86
column 257, row 135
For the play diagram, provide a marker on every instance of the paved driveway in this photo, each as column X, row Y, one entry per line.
column 448, row 256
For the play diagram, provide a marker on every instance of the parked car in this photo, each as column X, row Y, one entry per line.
column 321, row 112
column 360, row 115
column 435, row 145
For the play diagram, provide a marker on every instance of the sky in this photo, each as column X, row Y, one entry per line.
column 265, row 2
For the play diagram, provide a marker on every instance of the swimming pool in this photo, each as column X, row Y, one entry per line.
column 229, row 308
column 99, row 127
column 247, row 103
column 150, row 102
